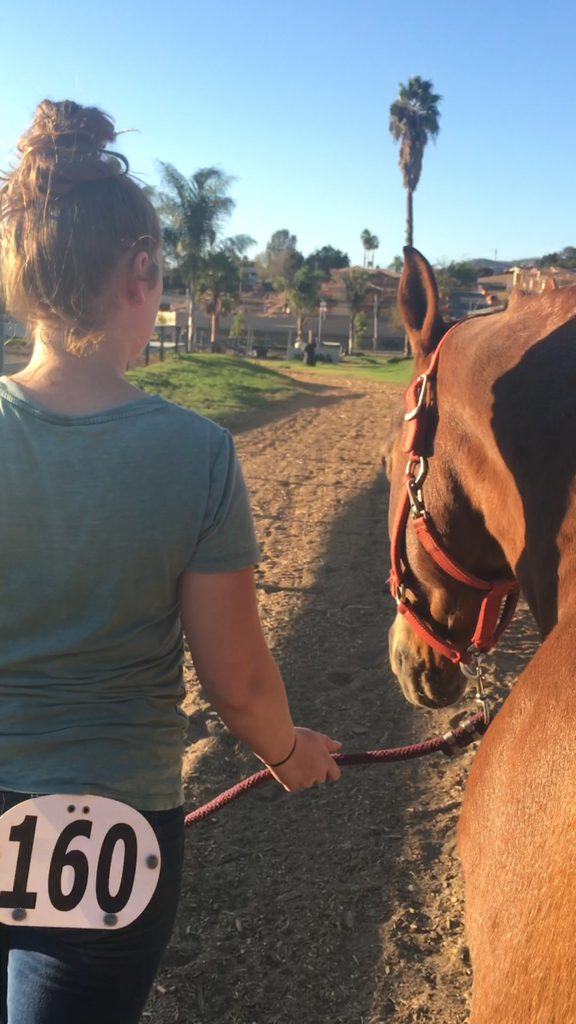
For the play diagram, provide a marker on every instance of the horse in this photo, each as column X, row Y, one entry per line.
column 486, row 506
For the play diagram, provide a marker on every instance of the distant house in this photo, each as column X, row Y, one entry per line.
column 499, row 285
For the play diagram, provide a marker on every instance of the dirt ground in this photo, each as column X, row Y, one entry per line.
column 342, row 904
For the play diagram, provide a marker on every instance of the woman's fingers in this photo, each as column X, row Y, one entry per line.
column 330, row 744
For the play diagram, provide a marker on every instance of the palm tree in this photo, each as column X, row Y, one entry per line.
column 356, row 284
column 218, row 284
column 414, row 118
column 370, row 243
column 218, row 280
column 303, row 295
column 193, row 211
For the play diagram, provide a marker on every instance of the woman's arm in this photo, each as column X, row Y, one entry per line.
column 241, row 679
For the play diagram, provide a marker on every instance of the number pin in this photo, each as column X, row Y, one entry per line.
column 18, row 914
column 110, row 920
column 152, row 861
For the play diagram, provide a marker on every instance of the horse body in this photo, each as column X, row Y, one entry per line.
column 501, row 493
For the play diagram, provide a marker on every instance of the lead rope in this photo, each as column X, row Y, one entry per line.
column 451, row 743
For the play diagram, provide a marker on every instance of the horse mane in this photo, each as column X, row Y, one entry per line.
column 528, row 317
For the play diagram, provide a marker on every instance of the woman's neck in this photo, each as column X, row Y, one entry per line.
column 77, row 384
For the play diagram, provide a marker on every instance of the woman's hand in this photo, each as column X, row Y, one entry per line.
column 310, row 763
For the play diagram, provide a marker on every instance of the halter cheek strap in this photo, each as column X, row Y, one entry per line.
column 500, row 595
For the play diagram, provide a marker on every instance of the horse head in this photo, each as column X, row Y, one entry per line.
column 442, row 607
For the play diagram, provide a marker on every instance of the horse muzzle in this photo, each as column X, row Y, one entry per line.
column 427, row 678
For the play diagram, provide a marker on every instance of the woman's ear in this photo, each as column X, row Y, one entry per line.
column 142, row 276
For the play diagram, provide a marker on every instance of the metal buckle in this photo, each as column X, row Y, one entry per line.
column 400, row 594
column 422, row 470
column 476, row 672
column 423, row 380
column 414, row 486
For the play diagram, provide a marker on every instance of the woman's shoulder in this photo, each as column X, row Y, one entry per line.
column 192, row 427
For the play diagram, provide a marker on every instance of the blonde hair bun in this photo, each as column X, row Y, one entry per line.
column 69, row 214
column 65, row 146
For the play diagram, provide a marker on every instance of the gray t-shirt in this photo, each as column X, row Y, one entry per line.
column 99, row 516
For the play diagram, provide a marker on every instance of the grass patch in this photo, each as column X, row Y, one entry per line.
column 224, row 388
column 393, row 371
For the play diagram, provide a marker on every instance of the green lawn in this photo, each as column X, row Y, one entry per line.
column 222, row 387
column 353, row 368
column 227, row 388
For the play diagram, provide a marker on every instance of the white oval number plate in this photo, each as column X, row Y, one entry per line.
column 76, row 862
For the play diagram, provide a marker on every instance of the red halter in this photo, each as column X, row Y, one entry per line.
column 500, row 595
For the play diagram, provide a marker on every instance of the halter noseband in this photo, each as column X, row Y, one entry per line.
column 500, row 595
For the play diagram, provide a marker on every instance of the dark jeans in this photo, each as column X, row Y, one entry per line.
column 80, row 976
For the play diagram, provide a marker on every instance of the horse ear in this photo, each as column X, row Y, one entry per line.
column 418, row 303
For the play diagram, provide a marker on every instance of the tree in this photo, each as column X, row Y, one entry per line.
column 280, row 260
column 328, row 258
column 280, row 241
column 238, row 328
column 360, row 327
column 219, row 279
column 193, row 211
column 218, row 286
column 371, row 243
column 457, row 275
column 396, row 265
column 566, row 258
column 356, row 283
column 303, row 294
column 414, row 118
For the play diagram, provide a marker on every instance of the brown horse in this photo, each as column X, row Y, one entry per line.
column 499, row 445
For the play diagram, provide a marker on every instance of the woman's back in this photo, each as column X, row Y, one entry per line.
column 99, row 516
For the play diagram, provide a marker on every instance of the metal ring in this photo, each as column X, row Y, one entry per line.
column 422, row 470
column 470, row 671
column 423, row 378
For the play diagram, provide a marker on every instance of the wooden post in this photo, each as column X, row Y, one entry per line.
column 177, row 338
column 162, row 330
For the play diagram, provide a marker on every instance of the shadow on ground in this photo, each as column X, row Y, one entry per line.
column 317, row 395
column 282, row 913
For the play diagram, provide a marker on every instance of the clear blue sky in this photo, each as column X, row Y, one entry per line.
column 293, row 99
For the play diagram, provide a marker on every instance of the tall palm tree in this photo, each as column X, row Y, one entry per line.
column 193, row 211
column 371, row 243
column 414, row 118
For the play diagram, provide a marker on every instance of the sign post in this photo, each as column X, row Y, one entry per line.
column 321, row 317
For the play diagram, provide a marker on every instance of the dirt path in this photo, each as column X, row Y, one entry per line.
column 341, row 905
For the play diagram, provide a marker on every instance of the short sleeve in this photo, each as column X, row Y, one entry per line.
column 227, row 540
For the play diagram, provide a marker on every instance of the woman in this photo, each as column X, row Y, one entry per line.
column 124, row 520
